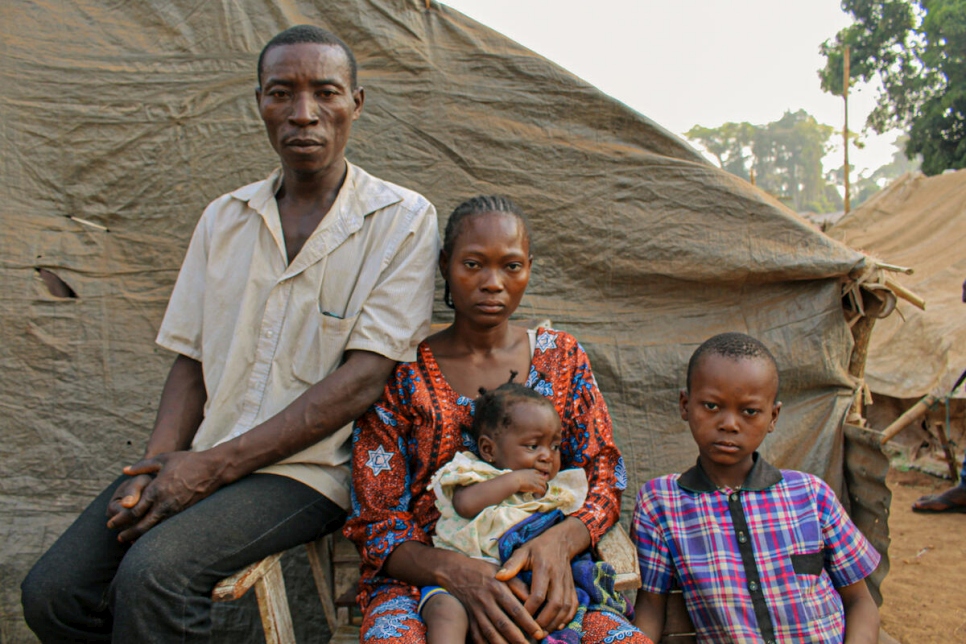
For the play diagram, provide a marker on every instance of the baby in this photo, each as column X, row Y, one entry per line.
column 518, row 434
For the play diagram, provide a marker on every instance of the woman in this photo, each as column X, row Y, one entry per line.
column 418, row 424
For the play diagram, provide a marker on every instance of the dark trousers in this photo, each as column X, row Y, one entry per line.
column 90, row 588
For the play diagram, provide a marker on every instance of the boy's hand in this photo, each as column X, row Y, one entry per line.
column 531, row 481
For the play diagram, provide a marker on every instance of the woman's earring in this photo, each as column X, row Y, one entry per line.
column 447, row 296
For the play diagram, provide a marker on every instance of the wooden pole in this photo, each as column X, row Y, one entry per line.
column 910, row 415
column 862, row 334
column 845, row 128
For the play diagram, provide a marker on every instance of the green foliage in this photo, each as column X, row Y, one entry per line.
column 786, row 156
column 917, row 50
column 730, row 144
column 867, row 185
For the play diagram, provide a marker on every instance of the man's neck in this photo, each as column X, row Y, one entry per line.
column 317, row 187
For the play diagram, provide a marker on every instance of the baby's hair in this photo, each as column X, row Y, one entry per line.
column 493, row 406
column 477, row 206
column 736, row 346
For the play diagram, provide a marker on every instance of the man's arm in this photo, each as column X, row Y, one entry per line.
column 183, row 478
column 180, row 412
column 861, row 614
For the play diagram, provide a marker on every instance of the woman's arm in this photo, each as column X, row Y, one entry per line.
column 381, row 472
column 470, row 500
column 589, row 444
column 861, row 614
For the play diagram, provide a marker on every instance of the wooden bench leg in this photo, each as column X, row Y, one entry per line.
column 320, row 561
column 273, row 607
column 266, row 578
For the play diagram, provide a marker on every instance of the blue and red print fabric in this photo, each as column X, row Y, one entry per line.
column 419, row 424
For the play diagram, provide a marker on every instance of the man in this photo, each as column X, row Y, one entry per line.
column 297, row 296
column 952, row 500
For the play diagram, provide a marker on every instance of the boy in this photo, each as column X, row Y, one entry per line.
column 762, row 555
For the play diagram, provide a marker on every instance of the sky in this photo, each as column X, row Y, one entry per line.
column 697, row 62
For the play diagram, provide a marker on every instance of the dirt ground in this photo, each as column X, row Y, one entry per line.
column 925, row 591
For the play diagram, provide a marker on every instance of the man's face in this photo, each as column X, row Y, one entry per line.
column 308, row 105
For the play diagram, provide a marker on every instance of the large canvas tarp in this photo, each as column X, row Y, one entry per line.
column 918, row 222
column 120, row 121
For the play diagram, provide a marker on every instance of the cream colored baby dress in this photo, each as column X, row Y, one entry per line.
column 478, row 537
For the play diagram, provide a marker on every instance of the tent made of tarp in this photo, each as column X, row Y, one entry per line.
column 120, row 121
column 917, row 222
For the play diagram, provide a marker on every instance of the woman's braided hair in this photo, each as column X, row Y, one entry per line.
column 477, row 206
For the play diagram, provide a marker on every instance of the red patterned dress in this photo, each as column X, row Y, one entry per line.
column 417, row 426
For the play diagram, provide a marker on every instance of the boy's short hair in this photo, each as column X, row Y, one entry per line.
column 492, row 413
column 737, row 346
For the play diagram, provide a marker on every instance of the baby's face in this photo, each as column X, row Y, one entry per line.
column 532, row 441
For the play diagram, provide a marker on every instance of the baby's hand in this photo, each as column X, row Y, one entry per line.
column 531, row 481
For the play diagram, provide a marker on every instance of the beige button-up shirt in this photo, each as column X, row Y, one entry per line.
column 265, row 330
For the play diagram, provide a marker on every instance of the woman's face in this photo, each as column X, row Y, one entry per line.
column 489, row 267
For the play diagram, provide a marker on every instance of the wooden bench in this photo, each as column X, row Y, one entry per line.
column 333, row 552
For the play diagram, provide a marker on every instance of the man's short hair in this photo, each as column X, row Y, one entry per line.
column 300, row 34
column 736, row 346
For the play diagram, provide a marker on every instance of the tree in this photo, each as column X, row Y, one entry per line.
column 788, row 160
column 867, row 184
column 730, row 144
column 786, row 156
column 917, row 50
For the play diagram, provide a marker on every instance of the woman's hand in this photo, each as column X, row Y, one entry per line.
column 548, row 557
column 495, row 607
column 497, row 614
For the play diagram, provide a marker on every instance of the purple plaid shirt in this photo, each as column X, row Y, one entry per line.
column 759, row 564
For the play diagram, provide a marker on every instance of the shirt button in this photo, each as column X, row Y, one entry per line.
column 742, row 537
column 269, row 334
column 753, row 586
column 734, row 497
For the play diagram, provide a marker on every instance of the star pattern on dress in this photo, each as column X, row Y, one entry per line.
column 546, row 341
column 379, row 460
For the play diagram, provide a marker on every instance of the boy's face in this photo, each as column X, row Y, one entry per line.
column 532, row 441
column 730, row 409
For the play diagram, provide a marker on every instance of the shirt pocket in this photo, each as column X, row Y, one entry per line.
column 809, row 563
column 321, row 346
column 815, row 591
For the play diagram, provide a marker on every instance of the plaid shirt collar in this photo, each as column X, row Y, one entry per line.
column 762, row 476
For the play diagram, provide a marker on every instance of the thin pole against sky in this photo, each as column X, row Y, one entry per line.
column 845, row 128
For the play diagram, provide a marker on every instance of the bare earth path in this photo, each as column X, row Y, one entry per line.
column 925, row 590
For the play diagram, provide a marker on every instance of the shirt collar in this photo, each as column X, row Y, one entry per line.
column 762, row 476
column 366, row 196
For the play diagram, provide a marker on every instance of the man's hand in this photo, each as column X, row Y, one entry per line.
column 126, row 496
column 181, row 480
column 547, row 557
column 531, row 480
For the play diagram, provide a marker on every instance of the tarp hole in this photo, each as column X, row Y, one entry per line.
column 56, row 286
